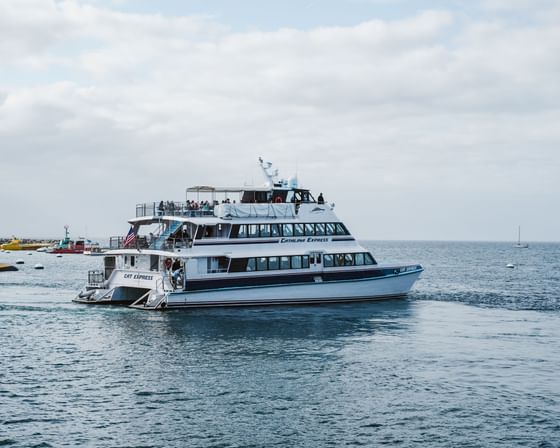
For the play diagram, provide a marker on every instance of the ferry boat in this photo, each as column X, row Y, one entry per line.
column 275, row 244
column 67, row 246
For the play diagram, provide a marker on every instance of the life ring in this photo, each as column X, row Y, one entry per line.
column 167, row 263
column 277, row 199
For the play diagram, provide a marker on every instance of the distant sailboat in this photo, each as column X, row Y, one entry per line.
column 519, row 244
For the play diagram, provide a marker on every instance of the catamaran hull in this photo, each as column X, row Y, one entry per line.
column 320, row 292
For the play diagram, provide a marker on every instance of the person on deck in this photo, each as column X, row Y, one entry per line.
column 320, row 199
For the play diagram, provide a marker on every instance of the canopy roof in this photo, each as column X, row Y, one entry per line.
column 210, row 189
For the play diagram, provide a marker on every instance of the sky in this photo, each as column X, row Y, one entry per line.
column 434, row 120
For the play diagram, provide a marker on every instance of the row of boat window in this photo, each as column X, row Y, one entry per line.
column 299, row 262
column 359, row 259
column 288, row 230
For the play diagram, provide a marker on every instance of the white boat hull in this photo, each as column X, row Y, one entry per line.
column 320, row 292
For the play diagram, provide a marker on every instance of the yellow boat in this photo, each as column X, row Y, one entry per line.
column 16, row 244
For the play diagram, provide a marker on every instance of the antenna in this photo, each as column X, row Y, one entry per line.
column 268, row 173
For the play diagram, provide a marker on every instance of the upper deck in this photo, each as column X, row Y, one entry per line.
column 218, row 212
column 278, row 197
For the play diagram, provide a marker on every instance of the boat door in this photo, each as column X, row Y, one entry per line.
column 316, row 266
column 316, row 262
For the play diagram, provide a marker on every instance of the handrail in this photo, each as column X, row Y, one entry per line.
column 136, row 302
column 172, row 209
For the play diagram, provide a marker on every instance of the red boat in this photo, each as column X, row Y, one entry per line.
column 67, row 246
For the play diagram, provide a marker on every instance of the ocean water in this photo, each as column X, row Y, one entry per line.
column 471, row 358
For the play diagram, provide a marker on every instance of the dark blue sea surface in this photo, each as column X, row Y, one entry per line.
column 471, row 358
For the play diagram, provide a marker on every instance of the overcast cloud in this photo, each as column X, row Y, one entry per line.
column 436, row 124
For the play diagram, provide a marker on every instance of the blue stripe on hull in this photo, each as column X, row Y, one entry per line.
column 290, row 279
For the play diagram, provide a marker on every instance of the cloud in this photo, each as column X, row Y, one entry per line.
column 116, row 108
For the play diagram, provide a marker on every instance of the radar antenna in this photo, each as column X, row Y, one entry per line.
column 270, row 174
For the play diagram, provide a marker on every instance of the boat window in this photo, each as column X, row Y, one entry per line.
column 296, row 261
column 216, row 264
column 369, row 259
column 132, row 260
column 305, row 261
column 253, row 231
column 234, row 231
column 199, row 232
column 262, row 264
column 238, row 265
column 359, row 258
column 309, row 229
column 287, row 229
column 264, row 230
column 109, row 263
column 274, row 230
column 328, row 260
column 331, row 229
column 319, row 229
column 273, row 263
column 242, row 233
column 339, row 259
column 340, row 229
column 348, row 260
column 284, row 262
column 154, row 262
column 251, row 265
column 210, row 231
column 298, row 229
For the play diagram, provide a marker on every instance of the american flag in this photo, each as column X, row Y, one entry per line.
column 130, row 237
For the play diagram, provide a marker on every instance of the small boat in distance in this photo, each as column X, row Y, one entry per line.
column 67, row 246
column 519, row 244
column 17, row 244
column 93, row 249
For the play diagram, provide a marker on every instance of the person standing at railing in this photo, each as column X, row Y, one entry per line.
column 160, row 208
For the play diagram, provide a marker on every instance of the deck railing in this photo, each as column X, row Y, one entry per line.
column 172, row 209
column 117, row 242
column 239, row 210
column 144, row 242
column 96, row 277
